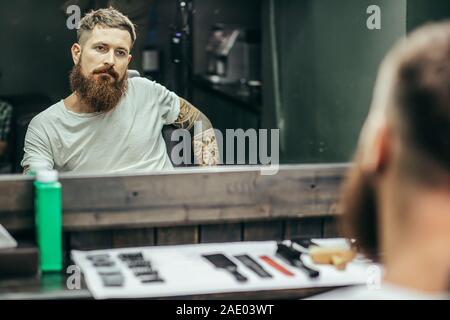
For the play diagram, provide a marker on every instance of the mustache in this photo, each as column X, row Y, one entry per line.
column 108, row 70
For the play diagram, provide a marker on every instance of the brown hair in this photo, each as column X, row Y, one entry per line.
column 415, row 77
column 109, row 17
column 422, row 100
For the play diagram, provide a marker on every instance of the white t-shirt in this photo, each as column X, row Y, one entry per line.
column 386, row 291
column 128, row 138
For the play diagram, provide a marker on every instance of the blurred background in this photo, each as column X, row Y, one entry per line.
column 306, row 67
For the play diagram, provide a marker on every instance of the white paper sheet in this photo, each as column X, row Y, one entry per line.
column 187, row 273
column 6, row 240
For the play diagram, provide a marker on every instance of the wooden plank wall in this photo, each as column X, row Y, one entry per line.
column 192, row 206
column 323, row 227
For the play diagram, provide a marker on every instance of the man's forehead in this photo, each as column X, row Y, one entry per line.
column 110, row 36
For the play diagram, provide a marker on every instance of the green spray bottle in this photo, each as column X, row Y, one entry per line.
column 48, row 209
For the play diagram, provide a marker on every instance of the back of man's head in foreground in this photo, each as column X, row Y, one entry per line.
column 397, row 191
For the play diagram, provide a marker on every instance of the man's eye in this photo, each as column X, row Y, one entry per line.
column 100, row 48
column 121, row 53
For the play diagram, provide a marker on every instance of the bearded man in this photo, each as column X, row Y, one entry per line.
column 111, row 123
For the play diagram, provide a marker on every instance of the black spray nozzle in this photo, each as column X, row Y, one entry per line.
column 293, row 257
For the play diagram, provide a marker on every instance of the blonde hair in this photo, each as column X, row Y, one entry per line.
column 108, row 17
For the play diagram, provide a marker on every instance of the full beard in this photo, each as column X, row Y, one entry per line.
column 98, row 92
column 361, row 216
column 359, row 204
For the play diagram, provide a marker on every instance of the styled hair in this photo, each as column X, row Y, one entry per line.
column 413, row 90
column 108, row 17
column 422, row 99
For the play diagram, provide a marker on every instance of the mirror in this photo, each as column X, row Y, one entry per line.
column 281, row 81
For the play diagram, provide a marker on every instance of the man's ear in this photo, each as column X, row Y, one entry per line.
column 130, row 57
column 76, row 53
column 377, row 150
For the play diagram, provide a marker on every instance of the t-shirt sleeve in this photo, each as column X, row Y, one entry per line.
column 168, row 104
column 37, row 150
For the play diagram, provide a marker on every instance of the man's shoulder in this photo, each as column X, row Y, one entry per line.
column 141, row 84
column 385, row 291
column 47, row 116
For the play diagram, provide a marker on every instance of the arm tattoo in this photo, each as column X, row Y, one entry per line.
column 206, row 150
column 188, row 115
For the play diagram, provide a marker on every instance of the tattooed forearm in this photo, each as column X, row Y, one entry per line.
column 206, row 150
column 188, row 115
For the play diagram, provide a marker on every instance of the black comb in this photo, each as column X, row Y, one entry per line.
column 222, row 262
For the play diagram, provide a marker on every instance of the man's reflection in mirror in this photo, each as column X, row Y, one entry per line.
column 111, row 123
